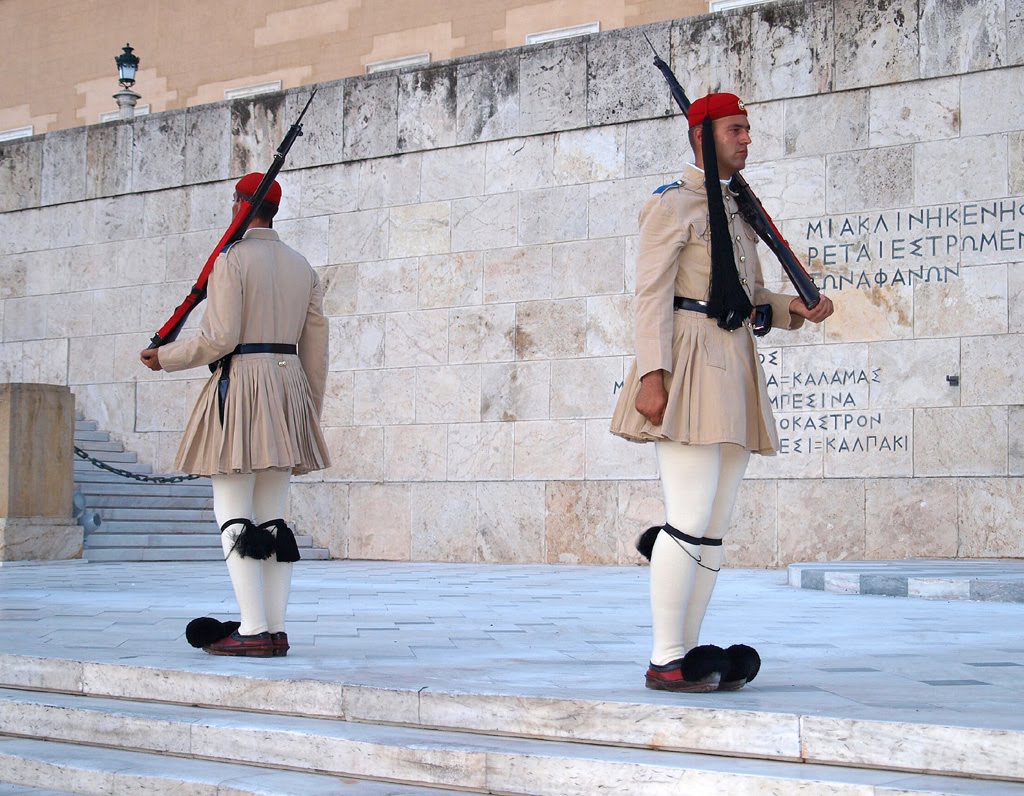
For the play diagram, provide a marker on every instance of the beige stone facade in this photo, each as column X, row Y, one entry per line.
column 476, row 225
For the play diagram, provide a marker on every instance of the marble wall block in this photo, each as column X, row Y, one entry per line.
column 519, row 274
column 586, row 268
column 640, row 506
column 553, row 87
column 582, row 522
column 515, row 391
column 161, row 405
column 876, row 444
column 876, row 42
column 384, row 397
column 548, row 450
column 711, row 53
column 25, row 318
column 426, row 108
column 961, row 36
column 44, row 361
column 321, row 510
column 209, row 207
column 452, row 173
column 1016, row 158
column 584, row 387
column 357, row 453
column 309, row 236
column 112, row 406
column 450, row 280
column 108, row 155
column 322, row 127
column 843, row 368
column 444, row 522
column 960, row 169
column 1016, row 443
column 330, row 189
column 830, row 123
column 28, row 230
column 610, row 325
column 590, row 154
column 511, row 523
column 548, row 215
column 912, row 373
column 481, row 452
column 388, row 285
column 420, row 229
column 1015, row 296
column 870, row 179
column 969, row 440
column 610, row 457
column 208, row 145
column 911, row 518
column 339, row 399
column 385, row 182
column 868, row 314
column 794, row 47
column 991, row 231
column 800, row 453
column 379, row 517
column 167, row 212
column 482, row 334
column 448, row 394
column 415, row 453
column 905, row 113
column 359, row 236
column 158, row 151
column 416, row 338
column 116, row 218
column 519, row 164
column 21, row 166
column 990, row 518
column 615, row 205
column 357, row 342
column 370, row 126
column 791, row 188
column 821, row 520
column 976, row 303
column 63, row 174
column 621, row 85
column 767, row 124
column 487, row 99
column 550, row 329
column 184, row 258
column 752, row 539
column 985, row 378
column 341, row 289
column 655, row 147
column 1014, row 32
column 485, row 222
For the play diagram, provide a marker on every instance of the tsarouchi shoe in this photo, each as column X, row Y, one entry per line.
column 280, row 642
column 697, row 672
column 258, row 646
column 744, row 664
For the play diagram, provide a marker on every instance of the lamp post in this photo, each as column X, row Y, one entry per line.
column 127, row 65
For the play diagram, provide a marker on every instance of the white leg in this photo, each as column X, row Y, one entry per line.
column 271, row 503
column 233, row 499
column 689, row 479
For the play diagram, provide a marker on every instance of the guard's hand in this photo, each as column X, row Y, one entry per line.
column 151, row 359
column 653, row 397
column 820, row 312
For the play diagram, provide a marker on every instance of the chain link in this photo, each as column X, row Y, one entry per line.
column 150, row 479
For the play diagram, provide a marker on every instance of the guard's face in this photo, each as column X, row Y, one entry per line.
column 732, row 140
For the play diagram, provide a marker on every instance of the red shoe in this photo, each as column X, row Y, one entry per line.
column 258, row 646
column 280, row 642
column 697, row 672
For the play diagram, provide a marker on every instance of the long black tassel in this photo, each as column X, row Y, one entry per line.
column 287, row 548
column 253, row 541
column 727, row 302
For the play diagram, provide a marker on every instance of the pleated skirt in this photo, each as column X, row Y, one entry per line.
column 270, row 421
column 716, row 391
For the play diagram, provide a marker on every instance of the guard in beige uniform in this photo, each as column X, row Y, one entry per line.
column 697, row 389
column 257, row 420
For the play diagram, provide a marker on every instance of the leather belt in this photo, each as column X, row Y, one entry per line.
column 683, row 303
column 266, row 348
column 224, row 363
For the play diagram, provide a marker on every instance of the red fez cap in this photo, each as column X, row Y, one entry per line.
column 715, row 106
column 250, row 182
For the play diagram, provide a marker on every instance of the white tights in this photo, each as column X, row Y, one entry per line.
column 700, row 483
column 261, row 587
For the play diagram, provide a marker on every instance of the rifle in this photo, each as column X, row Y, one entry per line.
column 239, row 224
column 751, row 209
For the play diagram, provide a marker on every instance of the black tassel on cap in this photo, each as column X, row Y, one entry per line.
column 253, row 541
column 287, row 548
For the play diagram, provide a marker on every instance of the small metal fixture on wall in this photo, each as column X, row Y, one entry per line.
column 127, row 65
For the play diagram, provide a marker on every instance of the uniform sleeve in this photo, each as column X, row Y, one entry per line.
column 662, row 237
column 220, row 329
column 314, row 345
column 782, row 318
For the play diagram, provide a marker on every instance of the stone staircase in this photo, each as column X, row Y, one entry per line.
column 88, row 727
column 143, row 521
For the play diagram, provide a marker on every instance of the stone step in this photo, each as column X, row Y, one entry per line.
column 210, row 553
column 440, row 758
column 84, row 438
column 99, row 539
column 86, row 473
column 85, row 425
column 156, row 526
column 92, row 770
column 114, row 457
column 104, row 503
column 156, row 515
column 99, row 448
column 124, row 487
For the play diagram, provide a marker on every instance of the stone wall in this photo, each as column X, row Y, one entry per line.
column 476, row 224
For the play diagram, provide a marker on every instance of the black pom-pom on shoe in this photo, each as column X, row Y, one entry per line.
column 744, row 664
column 205, row 630
column 645, row 544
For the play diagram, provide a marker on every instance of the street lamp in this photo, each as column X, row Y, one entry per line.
column 127, row 65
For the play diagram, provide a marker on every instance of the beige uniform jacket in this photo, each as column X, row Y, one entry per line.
column 260, row 291
column 715, row 382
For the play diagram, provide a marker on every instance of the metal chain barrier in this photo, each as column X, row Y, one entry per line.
column 151, row 479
